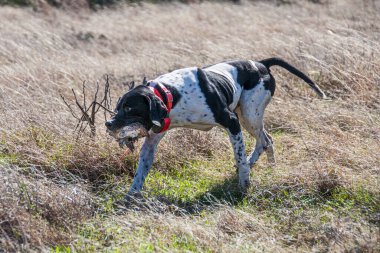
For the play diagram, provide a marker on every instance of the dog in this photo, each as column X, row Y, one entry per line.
column 228, row 94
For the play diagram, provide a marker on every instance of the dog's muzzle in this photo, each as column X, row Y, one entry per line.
column 128, row 135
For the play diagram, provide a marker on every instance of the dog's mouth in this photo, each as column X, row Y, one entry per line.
column 128, row 142
column 128, row 135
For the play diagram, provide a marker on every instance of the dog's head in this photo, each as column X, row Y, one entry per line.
column 137, row 112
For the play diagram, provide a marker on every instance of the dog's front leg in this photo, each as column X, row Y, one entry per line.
column 145, row 161
column 236, row 138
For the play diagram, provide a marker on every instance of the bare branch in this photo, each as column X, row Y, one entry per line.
column 68, row 106
column 85, row 116
column 88, row 111
column 145, row 81
column 131, row 85
column 105, row 109
column 94, row 105
column 84, row 94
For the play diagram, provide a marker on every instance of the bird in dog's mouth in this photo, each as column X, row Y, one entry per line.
column 128, row 135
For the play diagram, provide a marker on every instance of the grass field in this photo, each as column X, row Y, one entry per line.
column 60, row 193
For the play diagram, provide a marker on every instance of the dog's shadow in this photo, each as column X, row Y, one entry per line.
column 226, row 193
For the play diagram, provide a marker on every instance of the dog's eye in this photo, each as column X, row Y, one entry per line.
column 127, row 109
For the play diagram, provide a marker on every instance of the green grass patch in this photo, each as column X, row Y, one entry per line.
column 357, row 203
column 187, row 183
column 7, row 158
column 60, row 249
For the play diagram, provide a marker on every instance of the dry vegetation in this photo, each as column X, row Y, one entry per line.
column 59, row 194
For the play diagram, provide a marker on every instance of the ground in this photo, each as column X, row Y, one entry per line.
column 60, row 192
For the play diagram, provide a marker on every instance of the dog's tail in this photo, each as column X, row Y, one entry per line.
column 280, row 62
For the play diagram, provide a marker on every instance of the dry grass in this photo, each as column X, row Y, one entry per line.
column 327, row 151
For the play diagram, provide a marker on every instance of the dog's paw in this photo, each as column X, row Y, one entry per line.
column 244, row 185
column 133, row 197
column 129, row 202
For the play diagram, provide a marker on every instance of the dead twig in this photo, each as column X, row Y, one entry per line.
column 88, row 113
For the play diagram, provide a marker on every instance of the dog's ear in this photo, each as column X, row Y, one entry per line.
column 157, row 113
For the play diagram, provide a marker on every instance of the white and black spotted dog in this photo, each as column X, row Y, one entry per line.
column 228, row 94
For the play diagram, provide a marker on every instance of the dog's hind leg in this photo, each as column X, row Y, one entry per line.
column 252, row 106
column 145, row 161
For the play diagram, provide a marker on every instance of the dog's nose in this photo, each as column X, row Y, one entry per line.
column 109, row 123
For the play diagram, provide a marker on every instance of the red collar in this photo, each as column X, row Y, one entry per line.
column 169, row 100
